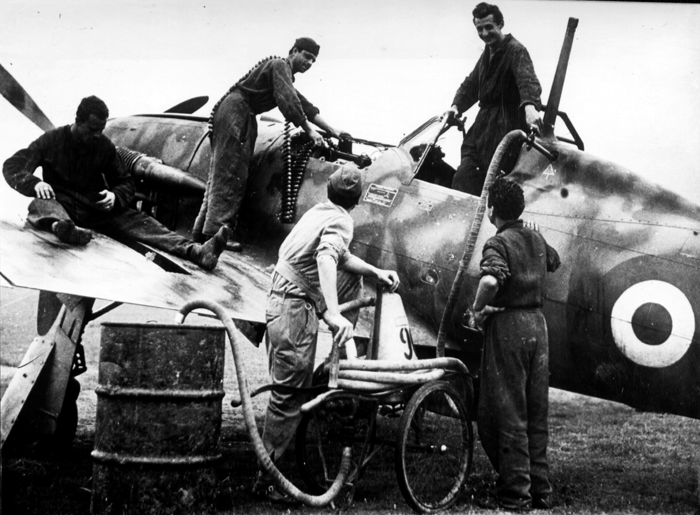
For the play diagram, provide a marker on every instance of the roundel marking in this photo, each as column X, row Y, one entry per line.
column 655, row 301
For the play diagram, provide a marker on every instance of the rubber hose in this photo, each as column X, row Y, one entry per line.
column 388, row 365
column 392, row 378
column 473, row 235
column 235, row 337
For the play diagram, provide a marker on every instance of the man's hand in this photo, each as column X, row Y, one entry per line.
column 481, row 316
column 340, row 326
column 107, row 203
column 390, row 278
column 316, row 137
column 533, row 119
column 44, row 191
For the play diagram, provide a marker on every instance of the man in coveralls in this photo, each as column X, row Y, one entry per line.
column 506, row 87
column 315, row 272
column 84, row 183
column 513, row 402
column 234, row 128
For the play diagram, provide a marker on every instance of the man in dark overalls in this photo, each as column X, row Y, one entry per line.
column 513, row 402
column 234, row 130
column 506, row 86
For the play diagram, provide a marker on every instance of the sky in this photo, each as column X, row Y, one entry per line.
column 385, row 66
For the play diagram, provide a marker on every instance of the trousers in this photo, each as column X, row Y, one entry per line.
column 513, row 404
column 122, row 224
column 479, row 146
column 291, row 339
column 233, row 136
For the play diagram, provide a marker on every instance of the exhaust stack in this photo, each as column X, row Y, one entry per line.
column 152, row 170
column 550, row 114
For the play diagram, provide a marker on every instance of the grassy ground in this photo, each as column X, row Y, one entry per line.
column 605, row 457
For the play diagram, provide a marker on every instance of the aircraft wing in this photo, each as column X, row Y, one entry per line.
column 106, row 269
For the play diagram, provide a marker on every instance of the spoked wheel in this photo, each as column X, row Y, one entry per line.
column 320, row 439
column 434, row 448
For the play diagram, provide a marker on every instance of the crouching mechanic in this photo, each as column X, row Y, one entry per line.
column 513, row 402
column 315, row 272
column 84, row 183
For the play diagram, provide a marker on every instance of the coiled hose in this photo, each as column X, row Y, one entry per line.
column 359, row 375
column 236, row 338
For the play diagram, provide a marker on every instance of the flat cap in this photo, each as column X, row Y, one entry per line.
column 346, row 181
column 307, row 44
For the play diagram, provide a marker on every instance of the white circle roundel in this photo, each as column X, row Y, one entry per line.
column 683, row 323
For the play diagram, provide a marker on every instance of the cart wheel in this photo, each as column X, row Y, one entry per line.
column 324, row 432
column 435, row 446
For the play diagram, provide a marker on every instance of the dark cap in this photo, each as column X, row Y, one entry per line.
column 346, row 181
column 307, row 44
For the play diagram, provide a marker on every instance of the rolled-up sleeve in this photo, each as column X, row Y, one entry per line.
column 494, row 261
column 335, row 239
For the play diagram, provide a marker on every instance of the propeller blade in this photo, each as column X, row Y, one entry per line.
column 18, row 97
column 188, row 106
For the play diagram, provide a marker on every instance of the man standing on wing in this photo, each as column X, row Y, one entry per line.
column 234, row 129
column 506, row 87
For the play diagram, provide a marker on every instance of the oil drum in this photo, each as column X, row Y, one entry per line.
column 158, row 421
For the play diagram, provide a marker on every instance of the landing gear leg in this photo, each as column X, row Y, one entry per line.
column 40, row 401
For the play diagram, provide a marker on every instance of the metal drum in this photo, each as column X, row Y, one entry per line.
column 158, row 419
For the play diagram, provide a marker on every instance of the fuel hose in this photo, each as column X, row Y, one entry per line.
column 236, row 338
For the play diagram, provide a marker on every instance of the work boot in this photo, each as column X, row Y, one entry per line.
column 67, row 232
column 234, row 246
column 517, row 506
column 207, row 255
column 230, row 244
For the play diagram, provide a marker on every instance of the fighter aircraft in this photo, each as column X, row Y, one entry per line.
column 623, row 310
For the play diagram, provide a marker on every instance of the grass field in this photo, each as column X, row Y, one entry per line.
column 605, row 457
